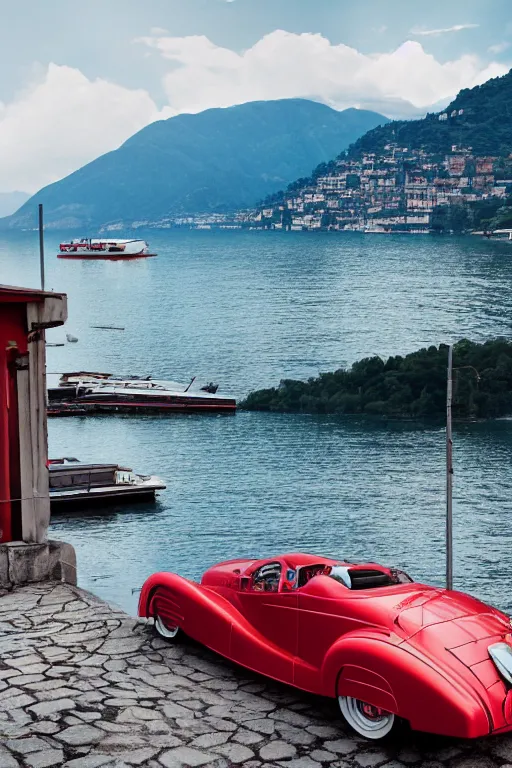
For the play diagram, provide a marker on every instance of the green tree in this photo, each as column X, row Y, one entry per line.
column 413, row 386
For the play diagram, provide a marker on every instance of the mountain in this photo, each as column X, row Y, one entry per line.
column 214, row 161
column 11, row 201
column 448, row 172
column 484, row 123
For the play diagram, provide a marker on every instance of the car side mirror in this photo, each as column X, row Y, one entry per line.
column 245, row 583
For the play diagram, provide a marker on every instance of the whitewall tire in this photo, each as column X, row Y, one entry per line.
column 169, row 633
column 366, row 720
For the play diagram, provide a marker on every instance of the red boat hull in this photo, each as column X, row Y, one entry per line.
column 111, row 257
column 91, row 407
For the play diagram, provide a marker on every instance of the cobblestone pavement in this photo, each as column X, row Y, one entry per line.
column 83, row 685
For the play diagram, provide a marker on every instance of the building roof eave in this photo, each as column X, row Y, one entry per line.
column 52, row 307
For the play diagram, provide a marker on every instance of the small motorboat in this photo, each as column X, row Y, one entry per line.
column 73, row 483
column 104, row 248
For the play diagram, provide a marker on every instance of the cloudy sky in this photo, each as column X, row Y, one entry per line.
column 78, row 77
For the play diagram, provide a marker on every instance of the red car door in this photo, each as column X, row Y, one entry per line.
column 268, row 642
column 321, row 621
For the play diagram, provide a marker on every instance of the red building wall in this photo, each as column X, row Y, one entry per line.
column 13, row 342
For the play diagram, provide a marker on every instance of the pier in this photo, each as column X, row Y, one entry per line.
column 84, row 685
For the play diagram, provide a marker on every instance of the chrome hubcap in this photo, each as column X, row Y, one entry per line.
column 369, row 721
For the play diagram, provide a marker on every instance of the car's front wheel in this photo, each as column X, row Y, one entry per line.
column 367, row 720
column 170, row 632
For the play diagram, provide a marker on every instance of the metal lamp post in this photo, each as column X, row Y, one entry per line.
column 41, row 245
column 449, row 464
column 449, row 472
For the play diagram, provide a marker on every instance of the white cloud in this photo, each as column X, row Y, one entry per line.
column 498, row 47
column 286, row 65
column 62, row 122
column 455, row 28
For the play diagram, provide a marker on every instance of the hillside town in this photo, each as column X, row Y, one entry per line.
column 400, row 190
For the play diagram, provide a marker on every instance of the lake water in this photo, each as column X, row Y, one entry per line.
column 245, row 310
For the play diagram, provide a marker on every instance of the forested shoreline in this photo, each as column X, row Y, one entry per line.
column 413, row 386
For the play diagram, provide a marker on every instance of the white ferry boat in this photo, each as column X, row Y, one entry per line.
column 107, row 248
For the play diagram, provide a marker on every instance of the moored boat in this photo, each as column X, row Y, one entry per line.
column 73, row 482
column 500, row 234
column 106, row 248
column 81, row 377
column 101, row 392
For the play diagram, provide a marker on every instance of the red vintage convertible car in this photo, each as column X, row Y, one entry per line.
column 387, row 648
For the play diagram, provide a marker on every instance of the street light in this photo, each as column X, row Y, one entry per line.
column 449, row 472
column 449, row 464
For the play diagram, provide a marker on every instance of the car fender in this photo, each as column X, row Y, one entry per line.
column 369, row 666
column 201, row 613
column 208, row 617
